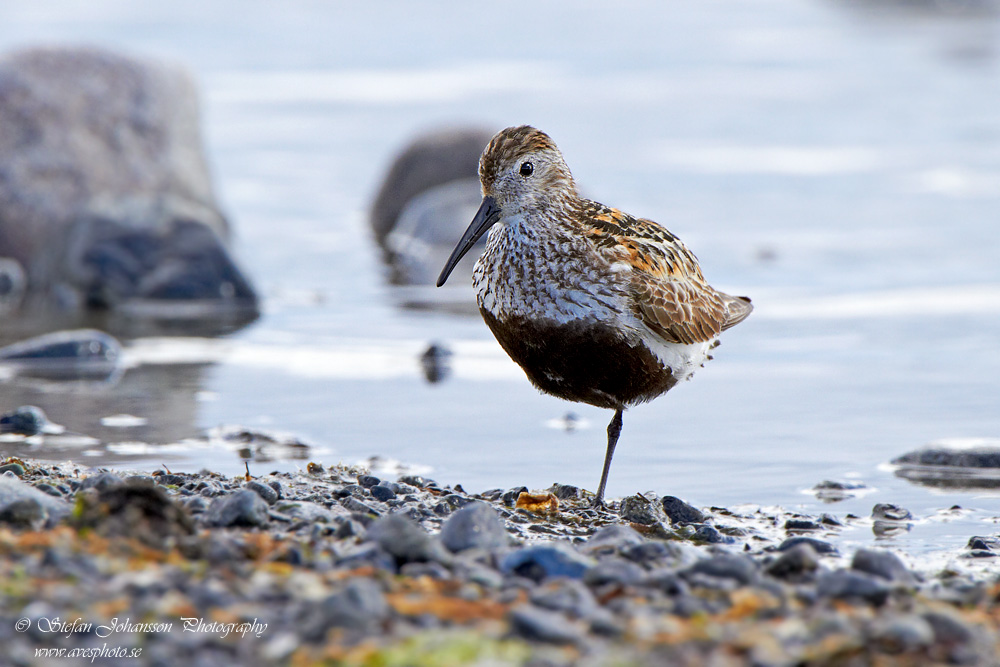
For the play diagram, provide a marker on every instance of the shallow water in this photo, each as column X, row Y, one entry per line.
column 839, row 165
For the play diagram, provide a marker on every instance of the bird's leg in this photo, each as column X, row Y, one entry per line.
column 614, row 430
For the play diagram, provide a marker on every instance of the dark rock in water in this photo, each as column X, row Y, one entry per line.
column 976, row 466
column 405, row 540
column 243, row 508
column 474, row 526
column 434, row 363
column 429, row 161
column 980, row 543
column 360, row 606
column 831, row 492
column 890, row 519
column 269, row 495
column 819, row 546
column 851, row 584
column 107, row 200
column 681, row 513
column 884, row 564
column 83, row 354
column 796, row 525
column 13, row 283
column 541, row 625
column 889, row 512
column 25, row 420
column 541, row 561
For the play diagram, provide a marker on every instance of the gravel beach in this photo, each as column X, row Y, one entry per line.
column 333, row 565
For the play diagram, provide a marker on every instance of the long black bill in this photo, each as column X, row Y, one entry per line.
column 487, row 214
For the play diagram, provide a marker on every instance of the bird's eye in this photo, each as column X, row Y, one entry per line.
column 527, row 169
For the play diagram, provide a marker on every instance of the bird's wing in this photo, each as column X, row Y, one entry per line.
column 668, row 290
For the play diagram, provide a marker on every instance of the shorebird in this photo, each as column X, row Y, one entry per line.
column 597, row 306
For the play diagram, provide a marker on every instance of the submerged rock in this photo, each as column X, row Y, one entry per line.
column 105, row 196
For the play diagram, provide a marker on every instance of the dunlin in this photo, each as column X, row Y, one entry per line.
column 595, row 305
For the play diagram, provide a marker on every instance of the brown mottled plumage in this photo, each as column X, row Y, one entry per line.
column 595, row 305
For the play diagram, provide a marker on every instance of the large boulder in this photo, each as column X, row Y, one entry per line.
column 426, row 201
column 105, row 197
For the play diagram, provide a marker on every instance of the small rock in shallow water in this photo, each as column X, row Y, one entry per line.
column 243, row 508
column 890, row 512
column 474, row 526
column 680, row 512
column 15, row 468
column 25, row 420
column 368, row 481
column 980, row 543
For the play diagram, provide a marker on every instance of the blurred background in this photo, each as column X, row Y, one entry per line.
column 838, row 161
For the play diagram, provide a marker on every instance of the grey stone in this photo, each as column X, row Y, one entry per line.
column 269, row 495
column 616, row 571
column 884, row 564
column 569, row 596
column 680, row 513
column 566, row 492
column 15, row 468
column 24, row 513
column 819, row 546
column 361, row 605
column 737, row 567
column 902, row 634
column 545, row 626
column 796, row 563
column 540, row 561
column 890, row 512
column 354, row 505
column 612, row 538
column 382, row 493
column 26, row 420
column 102, row 481
column 368, row 481
column 641, row 510
column 853, row 585
column 14, row 490
column 474, row 526
column 984, row 543
column 649, row 552
column 405, row 540
column 710, row 535
column 509, row 497
column 305, row 511
column 242, row 508
column 106, row 196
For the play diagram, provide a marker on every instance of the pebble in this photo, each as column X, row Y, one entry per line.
column 848, row 585
column 795, row 563
column 544, row 626
column 405, row 540
column 15, row 468
column 681, row 513
column 243, row 508
column 267, row 494
column 541, row 561
column 884, row 564
column 102, row 481
column 819, row 546
column 382, row 492
column 737, row 567
column 368, row 481
column 642, row 510
column 24, row 513
column 476, row 525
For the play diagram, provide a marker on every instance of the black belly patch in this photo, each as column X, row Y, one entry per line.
column 584, row 361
